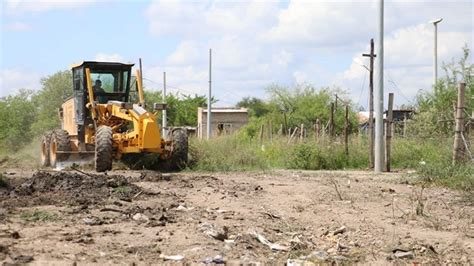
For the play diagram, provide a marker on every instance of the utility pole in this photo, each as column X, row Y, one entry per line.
column 435, row 51
column 370, row 132
column 346, row 131
column 164, row 118
column 209, row 98
column 379, row 153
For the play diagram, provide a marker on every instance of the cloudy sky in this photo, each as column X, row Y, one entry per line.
column 254, row 44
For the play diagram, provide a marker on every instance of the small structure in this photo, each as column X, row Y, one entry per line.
column 224, row 121
column 401, row 114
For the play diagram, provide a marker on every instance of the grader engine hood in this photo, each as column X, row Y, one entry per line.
column 148, row 131
column 143, row 136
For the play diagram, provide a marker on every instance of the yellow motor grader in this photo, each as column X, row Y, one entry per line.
column 100, row 120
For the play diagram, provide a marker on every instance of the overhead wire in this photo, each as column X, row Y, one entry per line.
column 389, row 79
column 182, row 91
column 362, row 89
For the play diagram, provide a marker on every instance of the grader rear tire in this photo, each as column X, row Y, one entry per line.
column 60, row 141
column 103, row 149
column 44, row 148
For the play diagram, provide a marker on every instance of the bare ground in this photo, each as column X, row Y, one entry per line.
column 275, row 217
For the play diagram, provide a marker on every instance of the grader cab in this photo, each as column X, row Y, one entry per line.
column 100, row 120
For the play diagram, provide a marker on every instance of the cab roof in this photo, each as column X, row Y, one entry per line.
column 101, row 64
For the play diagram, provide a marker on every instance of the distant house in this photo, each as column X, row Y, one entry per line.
column 401, row 114
column 398, row 117
column 224, row 121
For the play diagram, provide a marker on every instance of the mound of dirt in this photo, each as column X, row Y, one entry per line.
column 67, row 188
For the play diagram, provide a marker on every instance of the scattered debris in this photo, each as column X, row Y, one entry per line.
column 404, row 255
column 93, row 221
column 340, row 230
column 171, row 257
column 214, row 232
column 140, row 217
column 272, row 246
column 184, row 208
column 217, row 260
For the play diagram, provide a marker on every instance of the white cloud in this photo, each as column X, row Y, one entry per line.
column 109, row 57
column 408, row 58
column 12, row 80
column 321, row 23
column 16, row 26
column 28, row 6
column 187, row 52
column 258, row 43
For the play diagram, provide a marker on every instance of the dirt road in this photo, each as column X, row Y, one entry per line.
column 274, row 217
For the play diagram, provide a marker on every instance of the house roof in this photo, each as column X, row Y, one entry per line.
column 225, row 110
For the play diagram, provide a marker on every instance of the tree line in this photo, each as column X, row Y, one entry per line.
column 29, row 113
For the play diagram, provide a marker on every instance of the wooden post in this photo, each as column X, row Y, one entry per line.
column 458, row 147
column 280, row 131
column 331, row 122
column 292, row 135
column 318, row 128
column 261, row 134
column 370, row 130
column 346, row 131
column 405, row 126
column 388, row 132
column 270, row 129
column 302, row 132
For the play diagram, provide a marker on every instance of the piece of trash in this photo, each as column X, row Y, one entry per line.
column 214, row 232
column 319, row 255
column 404, row 255
column 217, row 260
column 140, row 217
column 271, row 215
column 341, row 230
column 184, row 208
column 272, row 246
column 92, row 221
column 172, row 257
column 297, row 262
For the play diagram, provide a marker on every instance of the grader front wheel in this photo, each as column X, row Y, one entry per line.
column 103, row 149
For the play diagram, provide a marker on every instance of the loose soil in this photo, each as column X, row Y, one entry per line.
column 275, row 217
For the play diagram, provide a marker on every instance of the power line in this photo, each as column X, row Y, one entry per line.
column 362, row 88
column 389, row 79
column 182, row 91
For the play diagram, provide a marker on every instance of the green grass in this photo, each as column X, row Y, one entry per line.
column 39, row 216
column 431, row 158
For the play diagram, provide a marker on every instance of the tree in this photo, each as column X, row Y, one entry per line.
column 435, row 112
column 182, row 109
column 302, row 104
column 17, row 114
column 256, row 107
column 54, row 90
